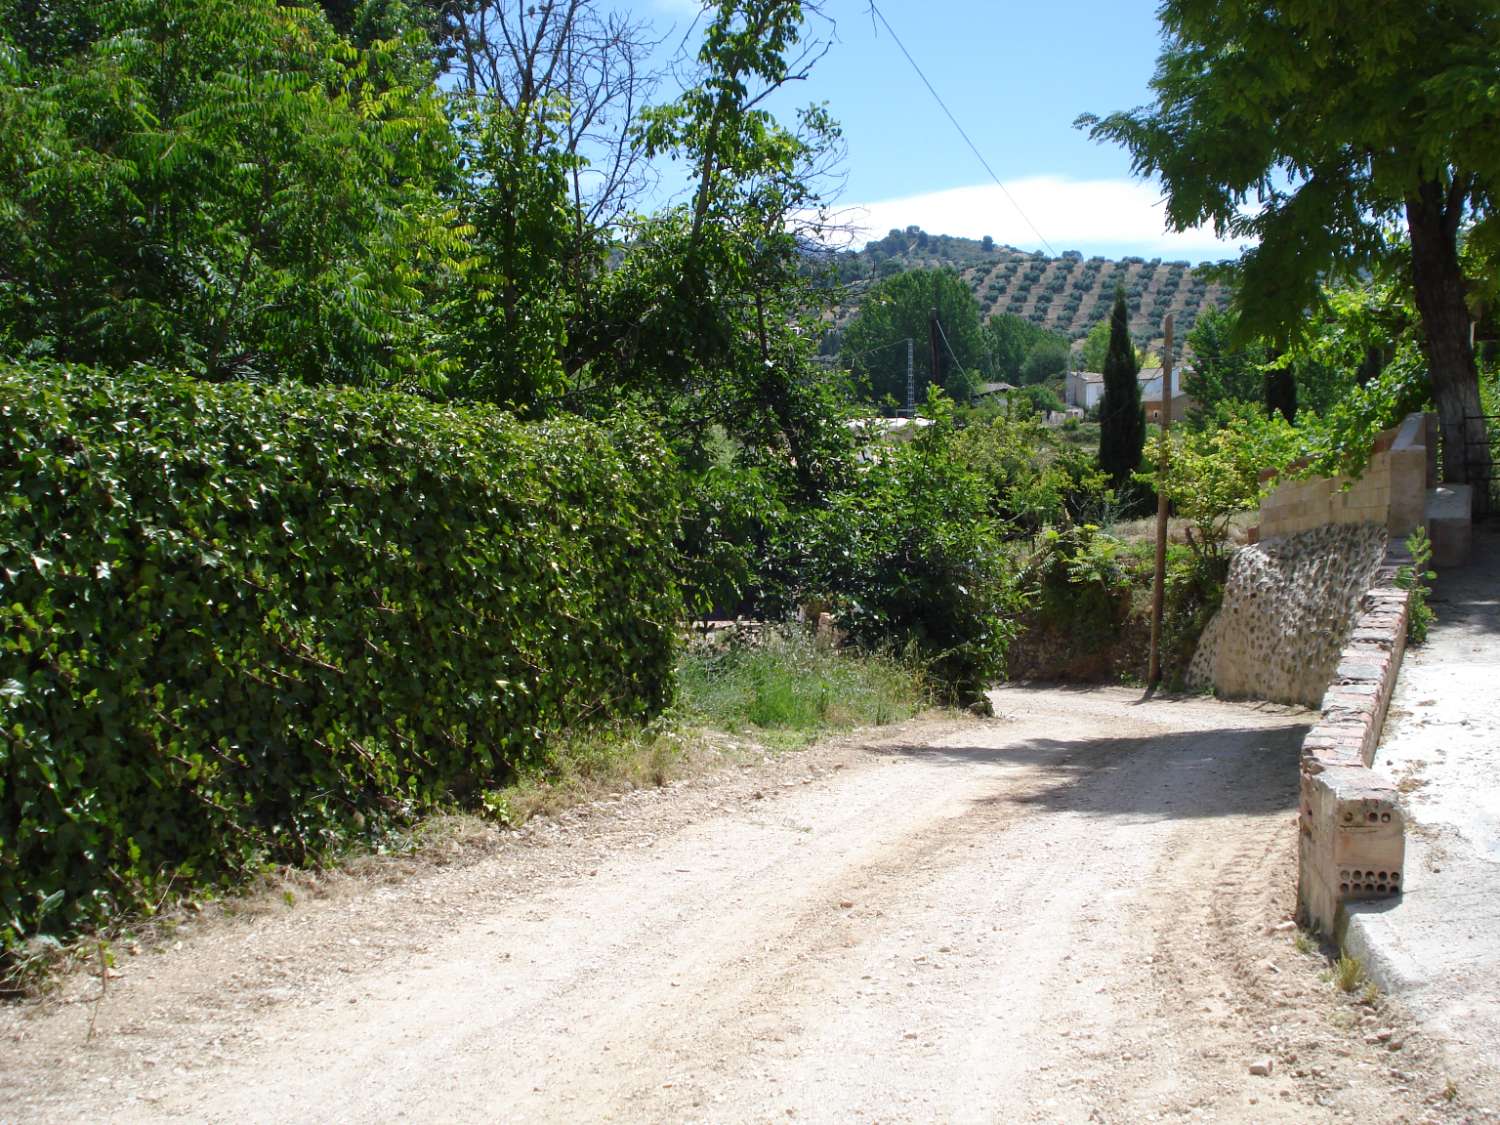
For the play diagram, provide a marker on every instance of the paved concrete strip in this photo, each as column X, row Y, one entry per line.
column 1439, row 944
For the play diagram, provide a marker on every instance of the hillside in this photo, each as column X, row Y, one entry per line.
column 1066, row 294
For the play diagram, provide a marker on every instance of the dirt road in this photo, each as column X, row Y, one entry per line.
column 1065, row 914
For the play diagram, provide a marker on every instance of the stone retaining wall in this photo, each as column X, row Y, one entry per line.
column 1351, row 831
column 1288, row 607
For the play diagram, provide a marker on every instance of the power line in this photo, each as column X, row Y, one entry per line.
column 972, row 147
column 871, row 351
column 944, row 337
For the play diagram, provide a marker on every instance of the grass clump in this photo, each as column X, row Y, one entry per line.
column 789, row 683
column 783, row 685
column 586, row 766
column 1417, row 578
column 1348, row 973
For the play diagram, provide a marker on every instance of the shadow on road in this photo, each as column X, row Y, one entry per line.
column 1470, row 595
column 1212, row 772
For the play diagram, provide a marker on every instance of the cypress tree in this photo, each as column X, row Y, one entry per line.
column 1122, row 420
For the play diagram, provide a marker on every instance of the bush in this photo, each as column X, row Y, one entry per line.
column 1214, row 473
column 909, row 559
column 243, row 624
column 1033, row 479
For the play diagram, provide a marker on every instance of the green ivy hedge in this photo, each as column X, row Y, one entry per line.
column 240, row 624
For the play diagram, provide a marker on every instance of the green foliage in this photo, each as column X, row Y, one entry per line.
column 1228, row 112
column 1417, row 578
column 1308, row 128
column 1340, row 441
column 1213, row 473
column 1078, row 584
column 1031, row 476
column 510, row 316
column 1009, row 339
column 1358, row 330
column 1122, row 420
column 909, row 558
column 1096, row 346
column 898, row 309
column 707, row 316
column 228, row 189
column 1022, row 351
column 787, row 681
column 1223, row 372
column 1038, row 399
column 1047, row 358
column 1089, row 602
column 238, row 624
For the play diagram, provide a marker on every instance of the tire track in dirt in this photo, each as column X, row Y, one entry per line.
column 1059, row 915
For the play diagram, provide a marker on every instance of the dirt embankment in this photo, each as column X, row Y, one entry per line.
column 1073, row 912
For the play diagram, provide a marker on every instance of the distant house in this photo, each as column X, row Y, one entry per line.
column 1084, row 389
column 1150, row 380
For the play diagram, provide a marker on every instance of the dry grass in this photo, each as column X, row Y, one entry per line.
column 1144, row 530
column 587, row 767
column 1348, row 973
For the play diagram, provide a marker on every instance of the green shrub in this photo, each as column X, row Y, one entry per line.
column 1213, row 473
column 909, row 559
column 1032, row 477
column 242, row 624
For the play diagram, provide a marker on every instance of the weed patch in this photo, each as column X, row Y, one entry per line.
column 790, row 684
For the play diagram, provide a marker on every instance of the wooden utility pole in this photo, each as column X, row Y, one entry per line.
column 1158, row 587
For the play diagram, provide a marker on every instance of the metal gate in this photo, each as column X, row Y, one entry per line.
column 1485, row 477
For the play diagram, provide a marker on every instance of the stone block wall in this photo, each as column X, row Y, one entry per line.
column 1351, row 832
column 1391, row 493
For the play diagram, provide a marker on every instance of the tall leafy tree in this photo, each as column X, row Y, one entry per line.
column 900, row 308
column 1095, row 347
column 1122, row 419
column 529, row 252
column 1048, row 358
column 1010, row 339
column 1221, row 369
column 705, row 315
column 228, row 188
column 1335, row 118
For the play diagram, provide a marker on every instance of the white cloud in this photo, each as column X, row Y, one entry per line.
column 1110, row 217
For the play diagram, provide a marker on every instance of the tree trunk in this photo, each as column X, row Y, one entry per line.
column 1432, row 217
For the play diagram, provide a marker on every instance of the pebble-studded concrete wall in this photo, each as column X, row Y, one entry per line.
column 1288, row 607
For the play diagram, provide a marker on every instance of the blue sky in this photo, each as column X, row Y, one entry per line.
column 1015, row 75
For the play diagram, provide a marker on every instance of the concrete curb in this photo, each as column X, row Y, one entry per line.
column 1351, row 842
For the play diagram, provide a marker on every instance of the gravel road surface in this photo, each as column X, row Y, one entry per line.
column 1073, row 912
